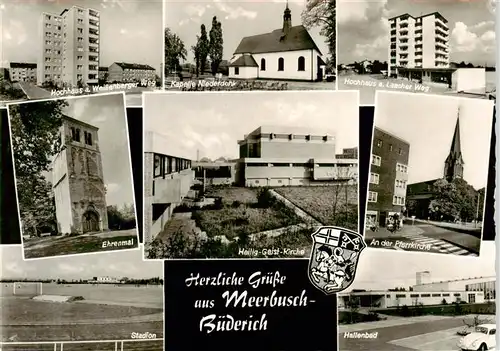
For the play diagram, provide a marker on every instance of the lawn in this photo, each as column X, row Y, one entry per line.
column 319, row 202
column 231, row 194
column 61, row 246
column 230, row 221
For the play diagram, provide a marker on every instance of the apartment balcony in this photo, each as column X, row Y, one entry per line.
column 393, row 32
column 403, row 33
column 172, row 189
column 441, row 33
column 94, row 49
column 93, row 14
column 440, row 22
column 403, row 47
column 93, row 42
column 418, row 53
column 93, row 33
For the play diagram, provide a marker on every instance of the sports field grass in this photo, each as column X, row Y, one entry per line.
column 108, row 312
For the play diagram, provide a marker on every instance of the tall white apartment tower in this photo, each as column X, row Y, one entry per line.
column 76, row 49
column 419, row 42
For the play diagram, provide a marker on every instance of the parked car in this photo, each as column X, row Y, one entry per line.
column 482, row 339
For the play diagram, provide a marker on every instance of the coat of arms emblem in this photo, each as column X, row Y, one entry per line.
column 334, row 258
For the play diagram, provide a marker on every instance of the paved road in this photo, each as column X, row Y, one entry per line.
column 437, row 335
column 430, row 239
column 34, row 92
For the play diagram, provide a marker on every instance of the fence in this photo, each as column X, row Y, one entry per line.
column 111, row 345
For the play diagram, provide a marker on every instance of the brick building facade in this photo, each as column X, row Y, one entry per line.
column 388, row 177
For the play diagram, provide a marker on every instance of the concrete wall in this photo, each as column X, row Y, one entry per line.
column 429, row 42
column 290, row 67
column 293, row 149
column 469, row 80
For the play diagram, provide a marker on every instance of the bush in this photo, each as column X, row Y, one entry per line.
column 236, row 204
column 264, row 198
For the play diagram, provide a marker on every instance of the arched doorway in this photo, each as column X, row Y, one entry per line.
column 90, row 221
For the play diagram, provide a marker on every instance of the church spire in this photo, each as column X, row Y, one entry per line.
column 454, row 164
column 287, row 20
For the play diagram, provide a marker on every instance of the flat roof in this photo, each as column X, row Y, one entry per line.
column 458, row 280
column 385, row 292
column 391, row 134
column 421, row 16
column 74, row 120
column 421, row 69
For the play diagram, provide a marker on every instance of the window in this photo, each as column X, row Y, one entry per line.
column 400, row 184
column 492, row 331
column 236, row 71
column 425, row 295
column 379, row 143
column 414, row 295
column 376, row 160
column 157, row 166
column 444, row 295
column 301, row 63
column 88, row 138
column 79, row 67
column 401, row 168
column 456, row 295
column 374, row 178
column 75, row 134
column 80, row 20
column 400, row 151
column 400, row 296
column 436, row 295
column 398, row 200
column 79, row 58
column 281, row 64
column 262, row 64
column 372, row 196
column 80, row 30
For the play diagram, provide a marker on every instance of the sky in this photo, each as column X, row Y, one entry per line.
column 239, row 18
column 107, row 113
column 428, row 122
column 117, row 264
column 130, row 31
column 215, row 123
column 380, row 269
column 363, row 28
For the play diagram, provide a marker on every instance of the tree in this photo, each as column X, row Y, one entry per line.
column 203, row 48
column 322, row 13
column 196, row 52
column 175, row 51
column 216, row 45
column 35, row 141
column 453, row 200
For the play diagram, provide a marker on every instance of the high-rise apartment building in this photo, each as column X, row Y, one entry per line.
column 69, row 47
column 418, row 42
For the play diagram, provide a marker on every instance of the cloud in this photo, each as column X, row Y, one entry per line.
column 372, row 49
column 234, row 12
column 64, row 268
column 470, row 39
column 15, row 30
column 360, row 11
column 195, row 10
column 112, row 187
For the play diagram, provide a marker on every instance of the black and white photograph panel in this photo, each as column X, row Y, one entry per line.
column 89, row 302
column 9, row 217
column 227, row 181
column 73, row 175
column 435, row 47
column 428, row 173
column 75, row 47
column 250, row 45
column 416, row 302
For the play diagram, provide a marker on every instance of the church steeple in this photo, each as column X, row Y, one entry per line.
column 454, row 164
column 287, row 20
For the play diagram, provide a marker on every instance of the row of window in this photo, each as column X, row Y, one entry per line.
column 380, row 143
column 301, row 65
column 75, row 136
column 396, row 200
column 399, row 296
column 401, row 184
column 164, row 165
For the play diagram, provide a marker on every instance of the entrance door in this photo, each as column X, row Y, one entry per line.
column 383, row 218
column 90, row 222
column 472, row 298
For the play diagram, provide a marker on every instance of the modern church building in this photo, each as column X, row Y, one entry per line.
column 292, row 156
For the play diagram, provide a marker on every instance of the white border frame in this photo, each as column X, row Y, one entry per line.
column 194, row 93
column 129, row 158
column 369, row 170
